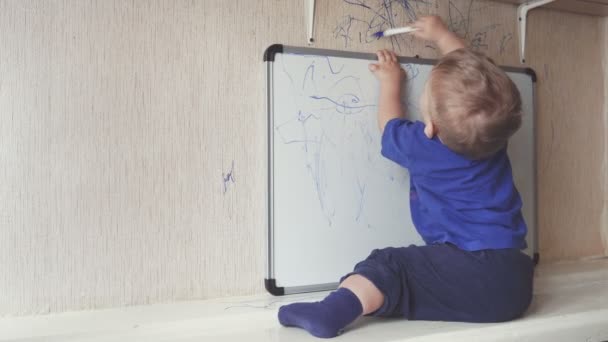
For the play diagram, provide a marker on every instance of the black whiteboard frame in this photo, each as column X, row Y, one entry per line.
column 269, row 56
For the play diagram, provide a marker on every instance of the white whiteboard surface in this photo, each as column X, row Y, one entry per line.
column 332, row 197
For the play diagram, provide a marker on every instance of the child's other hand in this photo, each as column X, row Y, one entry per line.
column 431, row 28
column 387, row 70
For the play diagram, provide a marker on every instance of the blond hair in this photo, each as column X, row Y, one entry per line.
column 474, row 104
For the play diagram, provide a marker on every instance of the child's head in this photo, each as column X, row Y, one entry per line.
column 471, row 104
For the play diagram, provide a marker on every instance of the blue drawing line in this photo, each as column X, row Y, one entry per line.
column 381, row 18
column 301, row 118
column 366, row 134
column 338, row 93
column 287, row 74
column 342, row 79
column 457, row 22
column 306, row 141
column 361, row 189
column 316, row 175
column 343, row 30
column 304, row 117
column 479, row 41
column 408, row 10
column 332, row 69
column 228, row 177
column 343, row 105
column 460, row 21
column 357, row 3
column 503, row 42
column 411, row 71
column 469, row 21
column 301, row 141
column 377, row 13
column 311, row 69
column 286, row 141
column 388, row 8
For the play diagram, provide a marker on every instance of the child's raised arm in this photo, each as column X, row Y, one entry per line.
column 433, row 29
column 390, row 74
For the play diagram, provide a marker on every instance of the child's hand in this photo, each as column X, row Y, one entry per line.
column 388, row 70
column 431, row 28
column 389, row 73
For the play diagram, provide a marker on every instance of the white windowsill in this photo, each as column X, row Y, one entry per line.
column 570, row 304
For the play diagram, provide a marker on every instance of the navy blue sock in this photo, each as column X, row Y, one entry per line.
column 326, row 318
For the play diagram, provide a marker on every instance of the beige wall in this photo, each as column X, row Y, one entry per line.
column 120, row 120
column 565, row 51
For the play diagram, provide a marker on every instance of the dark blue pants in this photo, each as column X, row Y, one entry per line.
column 444, row 283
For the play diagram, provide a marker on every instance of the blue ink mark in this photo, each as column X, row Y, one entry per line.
column 342, row 79
column 299, row 140
column 457, row 21
column 343, row 29
column 382, row 17
column 503, row 42
column 368, row 137
column 300, row 118
column 228, row 178
column 411, row 71
column 317, row 178
column 332, row 69
column 287, row 74
column 460, row 22
column 361, row 189
column 357, row 3
column 304, row 117
column 354, row 99
column 311, row 69
column 304, row 130
column 407, row 7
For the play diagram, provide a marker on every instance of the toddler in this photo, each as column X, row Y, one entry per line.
column 463, row 202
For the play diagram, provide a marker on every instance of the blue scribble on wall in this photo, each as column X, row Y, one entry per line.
column 366, row 17
column 228, row 178
column 379, row 16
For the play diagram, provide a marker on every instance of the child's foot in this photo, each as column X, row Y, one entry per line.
column 326, row 318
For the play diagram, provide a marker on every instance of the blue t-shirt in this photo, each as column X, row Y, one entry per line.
column 472, row 204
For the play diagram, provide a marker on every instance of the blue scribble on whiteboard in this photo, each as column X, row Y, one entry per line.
column 309, row 74
column 346, row 104
column 353, row 78
column 331, row 112
column 361, row 190
column 411, row 71
column 331, row 69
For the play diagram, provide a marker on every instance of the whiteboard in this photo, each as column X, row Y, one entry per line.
column 332, row 197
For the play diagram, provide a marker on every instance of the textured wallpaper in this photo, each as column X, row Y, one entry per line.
column 133, row 137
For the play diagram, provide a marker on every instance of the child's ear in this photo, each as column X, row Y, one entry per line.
column 430, row 130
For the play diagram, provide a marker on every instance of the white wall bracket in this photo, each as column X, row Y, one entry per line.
column 310, row 13
column 522, row 13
